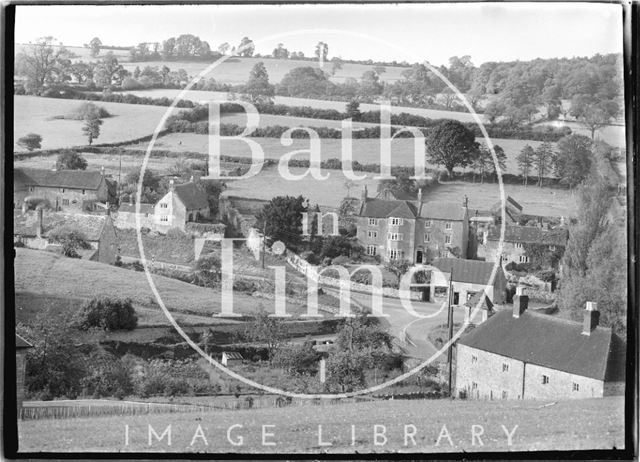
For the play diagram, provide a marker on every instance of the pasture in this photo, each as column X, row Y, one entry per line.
column 561, row 425
column 34, row 114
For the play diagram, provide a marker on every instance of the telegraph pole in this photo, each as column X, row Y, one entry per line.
column 264, row 240
column 450, row 326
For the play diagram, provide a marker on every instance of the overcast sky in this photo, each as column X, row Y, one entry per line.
column 416, row 32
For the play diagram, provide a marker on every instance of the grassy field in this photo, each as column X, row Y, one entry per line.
column 33, row 114
column 562, row 425
column 51, row 274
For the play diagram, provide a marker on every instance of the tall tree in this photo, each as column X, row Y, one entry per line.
column 223, row 48
column 91, row 128
column 43, row 63
column 525, row 162
column 451, row 145
column 246, row 47
column 258, row 87
column 543, row 159
column 281, row 219
column 574, row 159
column 322, row 51
column 95, row 45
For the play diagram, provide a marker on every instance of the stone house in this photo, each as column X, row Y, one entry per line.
column 518, row 354
column 33, row 227
column 73, row 191
column 183, row 203
column 21, row 363
column 125, row 217
column 549, row 244
column 412, row 230
column 468, row 278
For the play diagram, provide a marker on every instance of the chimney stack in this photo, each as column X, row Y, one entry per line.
column 171, row 185
column 102, row 170
column 520, row 302
column 364, row 193
column 591, row 318
column 420, row 196
column 39, row 228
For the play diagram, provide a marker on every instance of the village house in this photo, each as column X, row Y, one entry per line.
column 546, row 246
column 520, row 354
column 32, row 228
column 468, row 278
column 125, row 217
column 74, row 191
column 182, row 204
column 412, row 230
column 21, row 363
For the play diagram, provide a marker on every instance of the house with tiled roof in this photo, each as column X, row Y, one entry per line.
column 412, row 230
column 468, row 278
column 183, row 203
column 519, row 354
column 549, row 245
column 33, row 227
column 74, row 191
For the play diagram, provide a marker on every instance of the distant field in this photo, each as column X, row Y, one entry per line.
column 541, row 425
column 34, row 114
column 48, row 273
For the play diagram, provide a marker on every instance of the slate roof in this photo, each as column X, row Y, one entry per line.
column 443, row 211
column 469, row 271
column 551, row 342
column 90, row 225
column 72, row 179
column 382, row 208
column 530, row 235
column 131, row 208
column 191, row 196
column 22, row 343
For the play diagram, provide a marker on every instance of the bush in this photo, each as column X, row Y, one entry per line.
column 108, row 314
column 310, row 257
column 341, row 260
column 30, row 141
column 88, row 110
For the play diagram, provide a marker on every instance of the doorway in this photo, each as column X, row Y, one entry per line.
column 419, row 256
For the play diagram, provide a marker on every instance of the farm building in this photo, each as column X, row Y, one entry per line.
column 546, row 245
column 182, row 204
column 21, row 363
column 74, row 191
column 412, row 229
column 32, row 228
column 468, row 278
column 229, row 358
column 519, row 354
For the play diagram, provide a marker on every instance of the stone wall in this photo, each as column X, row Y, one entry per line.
column 560, row 384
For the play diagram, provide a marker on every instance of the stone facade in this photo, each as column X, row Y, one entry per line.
column 173, row 212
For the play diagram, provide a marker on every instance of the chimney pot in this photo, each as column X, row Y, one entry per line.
column 171, row 185
column 591, row 318
column 420, row 195
column 520, row 302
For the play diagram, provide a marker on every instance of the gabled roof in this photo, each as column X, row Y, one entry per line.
column 443, row 211
column 470, row 271
column 22, row 343
column 382, row 208
column 530, row 235
column 75, row 179
column 191, row 196
column 551, row 342
column 90, row 225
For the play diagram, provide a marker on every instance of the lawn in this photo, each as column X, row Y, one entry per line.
column 562, row 425
column 34, row 114
column 51, row 274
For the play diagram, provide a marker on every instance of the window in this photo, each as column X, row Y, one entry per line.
column 63, row 190
column 395, row 236
column 372, row 233
column 575, row 386
column 474, row 359
column 395, row 221
column 30, row 188
column 427, row 237
column 518, row 245
column 164, row 205
column 164, row 218
column 474, row 386
column 83, row 191
column 372, row 250
column 523, row 259
column 428, row 223
column 65, row 201
column 505, row 394
column 545, row 379
column 395, row 254
column 447, row 239
column 447, row 225
column 373, row 222
column 505, row 367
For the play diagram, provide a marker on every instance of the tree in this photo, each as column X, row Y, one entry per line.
column 353, row 110
column 451, row 145
column 297, row 359
column 223, row 48
column 258, row 87
column 109, row 71
column 43, row 63
column 501, row 158
column 246, row 47
column 574, row 159
column 281, row 219
column 82, row 72
column 107, row 314
column 398, row 187
column 207, row 270
column 91, row 128
column 525, row 161
column 30, row 141
column 322, row 51
column 280, row 52
column 398, row 268
column 268, row 330
column 95, row 45
column 543, row 159
column 592, row 113
column 70, row 238
column 336, row 64
column 70, row 160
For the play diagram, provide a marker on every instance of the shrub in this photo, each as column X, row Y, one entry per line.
column 70, row 238
column 108, row 314
column 88, row 110
column 340, row 260
column 310, row 257
column 30, row 141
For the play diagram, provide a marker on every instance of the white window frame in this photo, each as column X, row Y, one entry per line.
column 372, row 250
column 394, row 221
column 427, row 237
column 396, row 254
column 518, row 245
column 395, row 237
column 428, row 224
column 371, row 233
column 372, row 222
column 447, row 239
column 523, row 259
column 448, row 225
column 575, row 386
column 545, row 379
